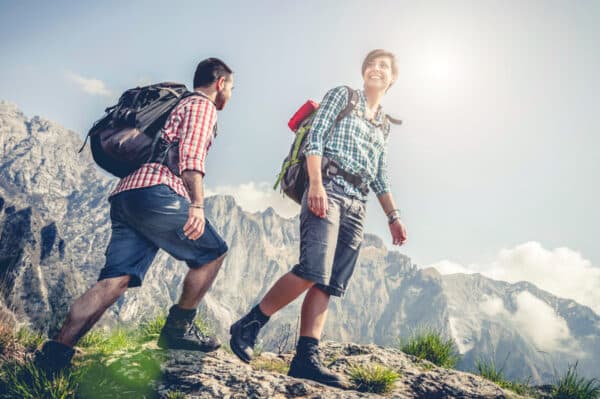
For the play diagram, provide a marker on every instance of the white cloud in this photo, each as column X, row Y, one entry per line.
column 89, row 85
column 561, row 271
column 255, row 197
column 531, row 313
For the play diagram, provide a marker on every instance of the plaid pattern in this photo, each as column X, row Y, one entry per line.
column 358, row 145
column 193, row 123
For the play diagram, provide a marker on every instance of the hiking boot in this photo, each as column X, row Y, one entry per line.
column 180, row 332
column 53, row 358
column 244, row 333
column 307, row 364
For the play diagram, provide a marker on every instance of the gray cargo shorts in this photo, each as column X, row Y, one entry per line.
column 329, row 246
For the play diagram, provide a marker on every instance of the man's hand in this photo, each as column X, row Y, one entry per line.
column 398, row 232
column 317, row 199
column 194, row 227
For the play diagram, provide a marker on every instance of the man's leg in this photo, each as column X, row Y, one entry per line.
column 89, row 307
column 197, row 282
column 56, row 355
column 179, row 331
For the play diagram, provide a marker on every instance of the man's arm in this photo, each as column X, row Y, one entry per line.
column 198, row 119
column 193, row 182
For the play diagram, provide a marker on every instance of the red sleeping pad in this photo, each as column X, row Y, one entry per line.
column 303, row 112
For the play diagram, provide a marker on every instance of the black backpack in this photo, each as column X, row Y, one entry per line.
column 128, row 135
column 293, row 176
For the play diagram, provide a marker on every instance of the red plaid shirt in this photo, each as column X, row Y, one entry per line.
column 192, row 122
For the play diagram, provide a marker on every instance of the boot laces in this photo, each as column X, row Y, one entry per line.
column 313, row 357
column 193, row 330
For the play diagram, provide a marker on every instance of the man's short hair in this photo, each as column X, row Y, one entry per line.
column 209, row 70
column 380, row 53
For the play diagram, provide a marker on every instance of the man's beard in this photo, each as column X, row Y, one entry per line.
column 220, row 101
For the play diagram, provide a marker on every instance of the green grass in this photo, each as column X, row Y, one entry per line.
column 374, row 378
column 490, row 371
column 270, row 365
column 25, row 381
column 150, row 329
column 92, row 339
column 30, row 340
column 22, row 339
column 175, row 395
column 573, row 386
column 429, row 344
column 116, row 364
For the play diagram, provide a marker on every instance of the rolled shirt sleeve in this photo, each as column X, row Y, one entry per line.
column 381, row 184
column 333, row 103
column 198, row 121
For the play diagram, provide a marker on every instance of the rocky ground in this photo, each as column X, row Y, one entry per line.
column 222, row 375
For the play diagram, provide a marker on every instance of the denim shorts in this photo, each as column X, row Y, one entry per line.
column 146, row 219
column 329, row 246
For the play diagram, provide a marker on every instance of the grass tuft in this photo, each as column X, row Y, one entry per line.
column 150, row 329
column 429, row 344
column 93, row 339
column 374, row 378
column 572, row 385
column 30, row 340
column 491, row 372
column 25, row 381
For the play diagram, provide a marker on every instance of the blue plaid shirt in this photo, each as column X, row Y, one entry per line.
column 355, row 143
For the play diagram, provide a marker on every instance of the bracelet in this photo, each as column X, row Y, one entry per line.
column 393, row 218
column 199, row 206
column 392, row 212
column 393, row 215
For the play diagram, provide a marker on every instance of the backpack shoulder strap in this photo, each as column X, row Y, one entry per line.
column 392, row 120
column 352, row 103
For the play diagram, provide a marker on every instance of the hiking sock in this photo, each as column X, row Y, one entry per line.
column 257, row 314
column 305, row 344
column 180, row 317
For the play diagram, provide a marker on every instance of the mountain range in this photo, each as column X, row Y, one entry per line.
column 54, row 223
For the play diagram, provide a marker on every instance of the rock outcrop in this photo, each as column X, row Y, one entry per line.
column 222, row 375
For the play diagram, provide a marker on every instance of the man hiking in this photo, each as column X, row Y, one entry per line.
column 332, row 215
column 154, row 208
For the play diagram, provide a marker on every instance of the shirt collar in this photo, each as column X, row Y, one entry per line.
column 379, row 116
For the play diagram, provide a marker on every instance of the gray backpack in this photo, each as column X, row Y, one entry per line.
column 293, row 176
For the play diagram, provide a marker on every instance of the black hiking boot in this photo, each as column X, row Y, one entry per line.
column 244, row 332
column 53, row 358
column 180, row 332
column 307, row 364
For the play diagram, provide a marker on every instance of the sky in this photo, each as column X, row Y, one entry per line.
column 497, row 156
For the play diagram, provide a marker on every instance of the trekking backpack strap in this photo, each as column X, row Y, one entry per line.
column 350, row 106
column 159, row 150
column 393, row 121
